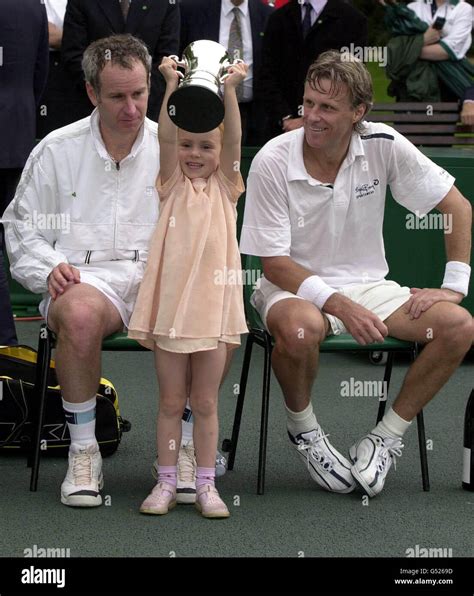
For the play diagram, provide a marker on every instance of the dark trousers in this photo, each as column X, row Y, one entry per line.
column 8, row 182
column 252, row 116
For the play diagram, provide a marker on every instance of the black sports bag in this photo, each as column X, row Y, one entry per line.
column 17, row 377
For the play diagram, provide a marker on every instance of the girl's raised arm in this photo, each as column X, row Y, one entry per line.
column 167, row 130
column 230, row 154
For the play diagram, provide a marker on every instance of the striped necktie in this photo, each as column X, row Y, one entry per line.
column 125, row 6
column 236, row 46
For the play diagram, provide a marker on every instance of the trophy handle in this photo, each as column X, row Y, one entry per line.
column 180, row 63
column 223, row 77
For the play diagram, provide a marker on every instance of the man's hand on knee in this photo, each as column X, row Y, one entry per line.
column 364, row 326
column 61, row 277
column 422, row 299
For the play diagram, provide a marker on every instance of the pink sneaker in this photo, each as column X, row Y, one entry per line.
column 161, row 499
column 209, row 503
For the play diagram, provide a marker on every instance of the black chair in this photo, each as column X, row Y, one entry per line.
column 341, row 343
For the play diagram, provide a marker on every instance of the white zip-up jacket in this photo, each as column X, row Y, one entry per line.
column 74, row 204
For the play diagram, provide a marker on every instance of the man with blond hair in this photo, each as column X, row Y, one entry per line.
column 314, row 214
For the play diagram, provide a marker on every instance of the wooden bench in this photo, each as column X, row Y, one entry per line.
column 425, row 123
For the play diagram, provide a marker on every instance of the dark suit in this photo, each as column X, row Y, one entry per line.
column 155, row 22
column 469, row 93
column 23, row 74
column 200, row 19
column 61, row 103
column 287, row 56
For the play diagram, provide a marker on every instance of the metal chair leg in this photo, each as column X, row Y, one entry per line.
column 240, row 401
column 420, row 421
column 423, row 453
column 41, row 386
column 262, row 455
column 386, row 383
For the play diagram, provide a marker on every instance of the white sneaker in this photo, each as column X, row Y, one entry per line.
column 372, row 457
column 327, row 466
column 221, row 465
column 84, row 477
column 186, row 482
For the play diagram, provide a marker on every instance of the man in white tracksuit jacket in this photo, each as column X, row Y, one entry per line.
column 78, row 231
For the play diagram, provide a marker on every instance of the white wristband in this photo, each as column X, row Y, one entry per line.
column 456, row 277
column 315, row 290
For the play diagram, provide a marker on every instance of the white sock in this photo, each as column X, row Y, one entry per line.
column 301, row 422
column 187, row 425
column 392, row 426
column 81, row 421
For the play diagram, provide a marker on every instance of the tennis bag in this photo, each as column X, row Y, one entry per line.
column 17, row 378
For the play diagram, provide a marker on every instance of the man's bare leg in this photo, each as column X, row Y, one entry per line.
column 298, row 328
column 81, row 318
column 448, row 332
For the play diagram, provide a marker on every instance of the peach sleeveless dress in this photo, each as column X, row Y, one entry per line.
column 191, row 296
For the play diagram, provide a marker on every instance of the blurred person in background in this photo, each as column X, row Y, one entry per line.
column 295, row 36
column 238, row 25
column 23, row 73
column 155, row 22
column 59, row 104
column 427, row 51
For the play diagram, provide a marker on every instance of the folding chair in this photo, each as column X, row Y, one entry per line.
column 118, row 342
column 342, row 343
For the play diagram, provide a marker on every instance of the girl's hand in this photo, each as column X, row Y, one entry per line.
column 168, row 69
column 236, row 74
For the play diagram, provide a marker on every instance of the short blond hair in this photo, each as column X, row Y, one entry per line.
column 343, row 69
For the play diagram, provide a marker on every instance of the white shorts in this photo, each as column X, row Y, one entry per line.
column 119, row 281
column 382, row 298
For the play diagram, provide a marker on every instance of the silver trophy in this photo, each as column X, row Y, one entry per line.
column 196, row 105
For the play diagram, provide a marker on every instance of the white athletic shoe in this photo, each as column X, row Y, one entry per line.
column 372, row 457
column 327, row 466
column 186, row 481
column 221, row 469
column 84, row 477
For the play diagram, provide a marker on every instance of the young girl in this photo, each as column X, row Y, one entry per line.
column 185, row 312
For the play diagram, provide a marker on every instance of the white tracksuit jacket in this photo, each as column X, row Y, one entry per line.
column 74, row 204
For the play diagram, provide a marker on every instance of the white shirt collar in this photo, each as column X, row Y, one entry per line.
column 227, row 7
column 318, row 6
column 99, row 141
column 296, row 169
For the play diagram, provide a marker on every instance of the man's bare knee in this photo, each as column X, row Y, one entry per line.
column 456, row 328
column 297, row 326
column 83, row 318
